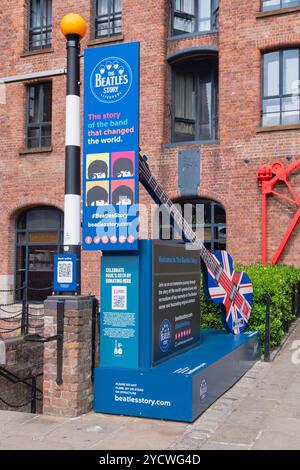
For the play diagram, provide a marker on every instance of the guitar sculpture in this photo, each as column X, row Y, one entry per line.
column 231, row 290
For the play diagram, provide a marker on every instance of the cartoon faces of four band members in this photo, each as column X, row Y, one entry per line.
column 98, row 168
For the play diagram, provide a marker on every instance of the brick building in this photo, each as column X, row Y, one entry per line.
column 217, row 88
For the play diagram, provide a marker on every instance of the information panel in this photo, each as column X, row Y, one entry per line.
column 176, row 299
column 111, row 147
column 64, row 273
column 119, row 317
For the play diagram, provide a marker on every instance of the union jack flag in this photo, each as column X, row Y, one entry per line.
column 226, row 291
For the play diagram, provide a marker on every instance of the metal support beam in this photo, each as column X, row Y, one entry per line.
column 33, row 75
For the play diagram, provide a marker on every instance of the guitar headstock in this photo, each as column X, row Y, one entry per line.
column 143, row 163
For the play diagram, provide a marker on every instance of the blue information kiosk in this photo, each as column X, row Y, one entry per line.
column 155, row 361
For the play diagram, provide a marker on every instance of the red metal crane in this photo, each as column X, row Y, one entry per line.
column 268, row 177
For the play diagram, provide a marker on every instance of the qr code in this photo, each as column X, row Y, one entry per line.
column 65, row 273
column 119, row 297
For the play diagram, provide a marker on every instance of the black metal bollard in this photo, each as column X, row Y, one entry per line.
column 267, row 332
column 94, row 336
column 298, row 300
column 60, row 340
column 33, row 394
column 24, row 327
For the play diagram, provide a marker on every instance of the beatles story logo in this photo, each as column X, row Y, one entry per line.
column 111, row 80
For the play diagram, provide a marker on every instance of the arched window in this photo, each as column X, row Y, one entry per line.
column 208, row 220
column 39, row 234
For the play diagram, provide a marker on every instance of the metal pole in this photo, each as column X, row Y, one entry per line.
column 293, row 300
column 73, row 27
column 264, row 229
column 60, row 341
column 94, row 336
column 267, row 332
column 298, row 300
column 24, row 315
column 33, row 394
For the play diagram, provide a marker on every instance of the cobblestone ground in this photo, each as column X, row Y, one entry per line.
column 262, row 411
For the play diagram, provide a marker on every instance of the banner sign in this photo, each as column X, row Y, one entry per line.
column 176, row 299
column 119, row 318
column 111, row 147
column 64, row 273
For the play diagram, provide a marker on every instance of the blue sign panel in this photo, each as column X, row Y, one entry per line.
column 111, row 147
column 64, row 273
column 119, row 317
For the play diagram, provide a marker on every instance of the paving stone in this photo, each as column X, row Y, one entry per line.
column 141, row 435
column 276, row 440
column 27, row 443
column 251, row 419
column 286, row 425
column 259, row 404
column 12, row 420
column 207, row 426
column 294, row 388
column 276, row 392
column 288, row 410
column 186, row 443
column 212, row 445
column 36, row 427
column 235, row 434
column 78, row 433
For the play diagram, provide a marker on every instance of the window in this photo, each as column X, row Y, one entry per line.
column 208, row 218
column 268, row 5
column 38, row 115
column 192, row 16
column 39, row 233
column 108, row 18
column 40, row 24
column 195, row 100
column 280, row 104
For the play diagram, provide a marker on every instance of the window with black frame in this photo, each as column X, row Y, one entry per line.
column 39, row 235
column 39, row 24
column 280, row 89
column 268, row 5
column 108, row 18
column 195, row 16
column 39, row 115
column 195, row 89
column 208, row 221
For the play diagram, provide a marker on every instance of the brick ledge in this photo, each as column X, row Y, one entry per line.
column 37, row 52
column 278, row 128
column 99, row 41
column 279, row 11
column 27, row 151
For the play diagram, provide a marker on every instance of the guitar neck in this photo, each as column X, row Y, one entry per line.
column 157, row 192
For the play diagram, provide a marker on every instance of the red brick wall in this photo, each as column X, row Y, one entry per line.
column 225, row 177
column 38, row 178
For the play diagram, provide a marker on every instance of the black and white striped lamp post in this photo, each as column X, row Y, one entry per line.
column 73, row 27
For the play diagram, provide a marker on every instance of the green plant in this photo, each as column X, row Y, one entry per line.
column 278, row 281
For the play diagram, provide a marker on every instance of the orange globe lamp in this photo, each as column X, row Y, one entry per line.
column 72, row 23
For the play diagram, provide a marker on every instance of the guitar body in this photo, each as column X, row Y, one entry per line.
column 219, row 292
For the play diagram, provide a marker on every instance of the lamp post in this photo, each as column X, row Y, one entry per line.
column 73, row 27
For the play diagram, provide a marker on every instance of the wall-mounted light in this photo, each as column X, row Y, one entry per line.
column 289, row 157
column 247, row 160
